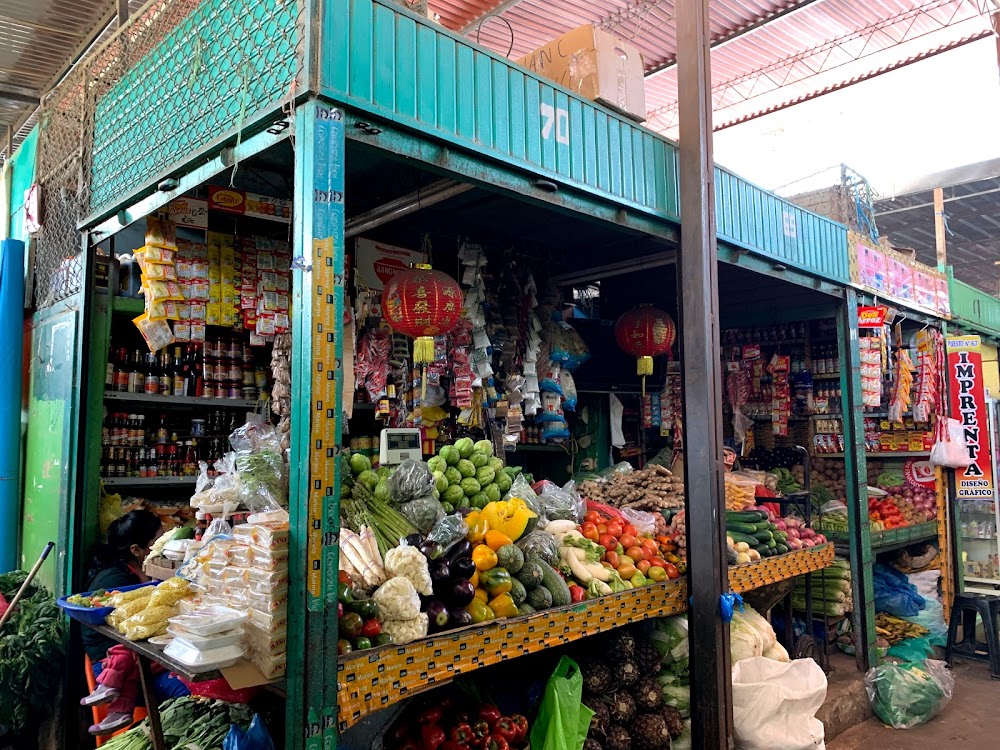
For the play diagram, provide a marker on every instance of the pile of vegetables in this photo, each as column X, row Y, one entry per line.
column 622, row 687
column 95, row 600
column 457, row 723
column 629, row 559
column 651, row 488
column 31, row 652
column 188, row 722
column 467, row 474
column 751, row 635
column 357, row 622
column 831, row 590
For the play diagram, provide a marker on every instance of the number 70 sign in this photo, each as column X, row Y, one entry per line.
column 555, row 121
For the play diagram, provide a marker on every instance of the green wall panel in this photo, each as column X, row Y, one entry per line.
column 49, row 453
column 397, row 66
column 225, row 63
column 973, row 307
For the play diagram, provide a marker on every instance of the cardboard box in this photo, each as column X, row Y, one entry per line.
column 597, row 65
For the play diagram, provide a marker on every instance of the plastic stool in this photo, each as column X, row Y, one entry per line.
column 100, row 711
column 965, row 609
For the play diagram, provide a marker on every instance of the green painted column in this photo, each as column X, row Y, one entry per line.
column 318, row 300
column 856, row 473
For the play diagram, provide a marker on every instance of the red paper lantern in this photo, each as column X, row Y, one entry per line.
column 645, row 332
column 422, row 303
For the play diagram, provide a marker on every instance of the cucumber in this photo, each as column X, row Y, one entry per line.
column 764, row 525
column 781, row 536
column 555, row 584
column 771, row 543
column 763, row 536
column 745, row 516
column 772, row 527
column 741, row 528
column 738, row 537
column 763, row 550
column 780, row 548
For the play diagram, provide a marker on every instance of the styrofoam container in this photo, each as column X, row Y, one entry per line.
column 209, row 620
column 206, row 643
column 203, row 661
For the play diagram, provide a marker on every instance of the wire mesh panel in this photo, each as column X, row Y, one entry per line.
column 188, row 74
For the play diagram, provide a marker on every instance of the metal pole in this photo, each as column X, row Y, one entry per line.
column 698, row 286
column 940, row 241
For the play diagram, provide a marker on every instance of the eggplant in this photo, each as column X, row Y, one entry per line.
column 462, row 568
column 460, row 549
column 459, row 618
column 461, row 593
column 437, row 615
column 440, row 574
column 431, row 550
column 414, row 540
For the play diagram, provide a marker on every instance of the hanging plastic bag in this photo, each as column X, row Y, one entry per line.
column 775, row 704
column 911, row 694
column 520, row 488
column 260, row 466
column 256, row 737
column 569, row 390
column 560, row 503
column 950, row 449
column 563, row 720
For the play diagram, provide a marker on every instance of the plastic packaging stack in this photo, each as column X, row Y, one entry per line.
column 208, row 638
column 266, row 580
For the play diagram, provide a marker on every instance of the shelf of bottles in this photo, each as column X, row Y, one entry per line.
column 167, row 411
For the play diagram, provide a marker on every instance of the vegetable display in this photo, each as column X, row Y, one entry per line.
column 188, row 722
column 457, row 723
column 651, row 488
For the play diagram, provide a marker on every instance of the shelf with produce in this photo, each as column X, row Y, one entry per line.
column 882, row 455
column 149, row 481
column 374, row 679
column 154, row 399
column 882, row 541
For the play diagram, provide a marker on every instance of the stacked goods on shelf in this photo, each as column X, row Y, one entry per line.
column 760, row 533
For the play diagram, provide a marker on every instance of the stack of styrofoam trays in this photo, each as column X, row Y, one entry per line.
column 207, row 639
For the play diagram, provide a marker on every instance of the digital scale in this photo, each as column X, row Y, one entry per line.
column 398, row 445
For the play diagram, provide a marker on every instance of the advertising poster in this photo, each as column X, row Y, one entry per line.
column 968, row 405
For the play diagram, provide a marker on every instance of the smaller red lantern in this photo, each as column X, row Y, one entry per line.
column 422, row 303
column 645, row 332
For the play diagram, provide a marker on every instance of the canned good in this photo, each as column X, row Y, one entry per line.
column 248, row 378
column 235, row 372
column 260, row 377
column 197, row 427
column 232, row 391
column 249, row 393
column 208, row 391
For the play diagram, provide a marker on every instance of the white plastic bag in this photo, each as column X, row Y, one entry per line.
column 950, row 449
column 775, row 704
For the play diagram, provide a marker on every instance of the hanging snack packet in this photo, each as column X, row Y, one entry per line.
column 163, row 291
column 161, row 233
column 156, row 333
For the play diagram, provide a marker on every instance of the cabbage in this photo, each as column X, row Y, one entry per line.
column 744, row 640
column 758, row 623
column 678, row 696
column 670, row 637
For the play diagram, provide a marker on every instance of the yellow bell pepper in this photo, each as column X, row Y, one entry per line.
column 477, row 527
column 503, row 606
column 512, row 517
column 475, row 578
column 482, row 596
column 479, row 611
column 484, row 557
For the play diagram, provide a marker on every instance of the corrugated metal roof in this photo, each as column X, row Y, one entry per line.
column 766, row 55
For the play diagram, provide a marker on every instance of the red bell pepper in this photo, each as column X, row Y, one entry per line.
column 577, row 593
column 496, row 742
column 522, row 727
column 507, row 729
column 449, row 745
column 431, row 736
column 430, row 715
column 480, row 729
column 461, row 733
column 490, row 713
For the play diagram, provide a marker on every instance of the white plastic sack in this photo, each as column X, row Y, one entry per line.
column 775, row 704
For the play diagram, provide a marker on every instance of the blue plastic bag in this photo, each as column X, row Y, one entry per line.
column 256, row 737
column 894, row 594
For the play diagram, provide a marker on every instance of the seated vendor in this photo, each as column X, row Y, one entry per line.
column 118, row 564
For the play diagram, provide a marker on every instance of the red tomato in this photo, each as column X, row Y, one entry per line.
column 658, row 562
column 612, row 559
column 672, row 571
column 608, row 542
column 650, row 544
column 592, row 516
column 635, row 553
column 657, row 574
column 628, row 540
column 589, row 530
column 643, row 566
column 615, row 528
column 630, row 530
column 603, row 528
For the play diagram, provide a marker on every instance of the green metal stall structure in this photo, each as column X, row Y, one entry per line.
column 188, row 90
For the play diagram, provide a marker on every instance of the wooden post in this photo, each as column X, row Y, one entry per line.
column 940, row 243
column 698, row 284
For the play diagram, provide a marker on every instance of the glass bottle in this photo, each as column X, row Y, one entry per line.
column 179, row 381
column 165, row 371
column 152, row 376
column 136, row 374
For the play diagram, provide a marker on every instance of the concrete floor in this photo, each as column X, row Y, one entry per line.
column 968, row 721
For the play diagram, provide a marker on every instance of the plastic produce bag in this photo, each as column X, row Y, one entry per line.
column 932, row 618
column 448, row 532
column 644, row 521
column 912, row 649
column 261, row 467
column 540, row 544
column 894, row 594
column 908, row 695
column 411, row 480
column 563, row 720
column 424, row 512
column 775, row 704
column 256, row 737
column 520, row 488
column 560, row 503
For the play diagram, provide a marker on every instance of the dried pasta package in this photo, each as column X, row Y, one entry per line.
column 124, row 597
column 156, row 333
column 140, row 631
column 161, row 233
column 126, row 611
column 168, row 595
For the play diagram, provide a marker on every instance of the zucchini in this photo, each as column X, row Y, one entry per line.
column 740, row 528
column 738, row 537
column 771, row 543
column 763, row 536
column 745, row 516
column 555, row 584
column 764, row 550
column 780, row 548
